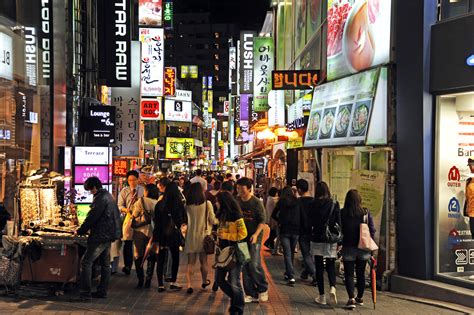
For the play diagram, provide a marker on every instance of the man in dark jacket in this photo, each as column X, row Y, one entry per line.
column 104, row 226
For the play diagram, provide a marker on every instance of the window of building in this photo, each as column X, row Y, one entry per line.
column 216, row 56
column 217, row 35
column 217, row 46
column 216, row 67
column 452, row 8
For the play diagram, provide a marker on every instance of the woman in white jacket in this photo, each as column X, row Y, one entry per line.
column 200, row 220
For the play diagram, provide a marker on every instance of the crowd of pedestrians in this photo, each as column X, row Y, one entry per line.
column 151, row 224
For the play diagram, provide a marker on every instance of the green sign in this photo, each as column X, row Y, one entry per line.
column 264, row 60
column 168, row 14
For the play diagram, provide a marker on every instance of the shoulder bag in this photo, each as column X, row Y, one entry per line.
column 143, row 219
column 209, row 243
column 365, row 240
column 332, row 234
column 225, row 258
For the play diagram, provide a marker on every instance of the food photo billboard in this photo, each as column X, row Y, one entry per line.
column 358, row 36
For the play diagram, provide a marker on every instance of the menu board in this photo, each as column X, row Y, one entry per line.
column 358, row 35
column 341, row 110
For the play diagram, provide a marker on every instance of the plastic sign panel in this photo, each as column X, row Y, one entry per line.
column 180, row 148
column 92, row 155
column 246, row 62
column 6, row 57
column 152, row 61
column 178, row 111
column 184, row 72
column 170, row 81
column 264, row 60
column 181, row 95
column 358, row 36
column 114, row 42
column 120, row 167
column 276, row 113
column 99, row 124
column 168, row 14
column 295, row 118
column 294, row 79
column 81, row 173
column 150, row 109
column 149, row 12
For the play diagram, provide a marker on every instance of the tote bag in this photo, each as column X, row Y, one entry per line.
column 365, row 240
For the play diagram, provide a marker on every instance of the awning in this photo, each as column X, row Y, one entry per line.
column 255, row 154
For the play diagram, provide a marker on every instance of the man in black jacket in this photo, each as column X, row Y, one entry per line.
column 104, row 226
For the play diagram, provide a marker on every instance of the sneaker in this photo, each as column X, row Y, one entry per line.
column 250, row 299
column 286, row 277
column 99, row 295
column 321, row 300
column 175, row 287
column 304, row 276
column 332, row 296
column 263, row 297
column 350, row 305
column 359, row 301
column 292, row 281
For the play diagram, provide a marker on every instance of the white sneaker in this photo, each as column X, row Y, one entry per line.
column 332, row 296
column 320, row 300
column 263, row 296
column 249, row 299
column 471, row 277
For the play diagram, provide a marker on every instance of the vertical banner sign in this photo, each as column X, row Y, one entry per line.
column 232, row 66
column 152, row 61
column 276, row 113
column 204, row 90
column 264, row 61
column 246, row 62
column 45, row 41
column 210, row 94
column 31, row 58
column 127, row 113
column 168, row 14
column 237, row 130
column 244, row 114
column 170, row 81
column 149, row 13
column 114, row 44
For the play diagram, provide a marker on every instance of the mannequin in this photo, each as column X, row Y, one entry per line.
column 469, row 205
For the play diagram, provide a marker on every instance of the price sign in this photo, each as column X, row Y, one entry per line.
column 150, row 109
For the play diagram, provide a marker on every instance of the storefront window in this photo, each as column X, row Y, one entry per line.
column 454, row 248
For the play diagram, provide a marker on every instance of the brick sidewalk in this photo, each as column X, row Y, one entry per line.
column 123, row 298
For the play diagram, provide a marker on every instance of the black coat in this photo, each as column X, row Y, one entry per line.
column 320, row 215
column 103, row 220
column 288, row 216
column 168, row 223
column 306, row 204
column 351, row 228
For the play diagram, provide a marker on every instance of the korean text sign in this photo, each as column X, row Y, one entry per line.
column 294, row 79
column 263, row 66
column 152, row 61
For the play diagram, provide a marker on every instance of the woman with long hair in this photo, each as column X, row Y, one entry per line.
column 169, row 219
column 324, row 212
column 231, row 230
column 354, row 258
column 142, row 214
column 287, row 214
column 200, row 220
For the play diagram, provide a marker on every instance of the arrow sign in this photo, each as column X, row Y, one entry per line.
column 470, row 61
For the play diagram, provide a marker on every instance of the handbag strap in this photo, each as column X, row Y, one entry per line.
column 330, row 212
column 206, row 218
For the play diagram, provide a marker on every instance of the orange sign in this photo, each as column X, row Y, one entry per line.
column 120, row 167
column 294, row 79
column 170, row 81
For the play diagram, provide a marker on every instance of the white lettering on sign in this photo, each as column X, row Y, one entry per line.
column 99, row 114
column 121, row 70
column 248, row 51
column 30, row 55
column 45, row 41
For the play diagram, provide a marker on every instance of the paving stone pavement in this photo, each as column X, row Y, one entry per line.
column 124, row 298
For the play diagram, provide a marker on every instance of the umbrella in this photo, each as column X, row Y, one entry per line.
column 373, row 279
column 149, row 247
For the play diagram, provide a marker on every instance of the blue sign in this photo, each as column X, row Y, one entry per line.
column 470, row 61
column 454, row 208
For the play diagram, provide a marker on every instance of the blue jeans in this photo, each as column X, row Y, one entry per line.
column 232, row 287
column 288, row 242
column 305, row 246
column 100, row 251
column 254, row 278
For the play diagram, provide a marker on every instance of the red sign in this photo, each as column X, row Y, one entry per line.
column 150, row 109
column 169, row 81
column 454, row 176
column 120, row 167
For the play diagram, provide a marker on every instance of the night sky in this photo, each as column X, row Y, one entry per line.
column 249, row 14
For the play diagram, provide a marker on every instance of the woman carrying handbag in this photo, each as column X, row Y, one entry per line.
column 231, row 230
column 200, row 220
column 356, row 250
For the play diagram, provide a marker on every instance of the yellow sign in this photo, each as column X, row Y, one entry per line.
column 210, row 98
column 294, row 143
column 180, row 148
column 154, row 141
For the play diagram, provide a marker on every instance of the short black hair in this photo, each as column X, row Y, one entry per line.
column 237, row 176
column 273, row 192
column 164, row 181
column 228, row 175
column 217, row 185
column 198, row 172
column 132, row 173
column 209, row 179
column 92, row 182
column 302, row 184
column 228, row 186
column 153, row 192
column 245, row 181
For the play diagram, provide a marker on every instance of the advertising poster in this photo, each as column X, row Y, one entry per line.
column 152, row 61
column 301, row 9
column 98, row 124
column 455, row 129
column 177, row 148
column 82, row 173
column 280, row 53
column 246, row 62
column 236, row 124
column 371, row 186
column 244, row 114
column 276, row 113
column 313, row 20
column 127, row 111
column 341, row 110
column 178, row 111
column 263, row 62
column 358, row 36
column 150, row 12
